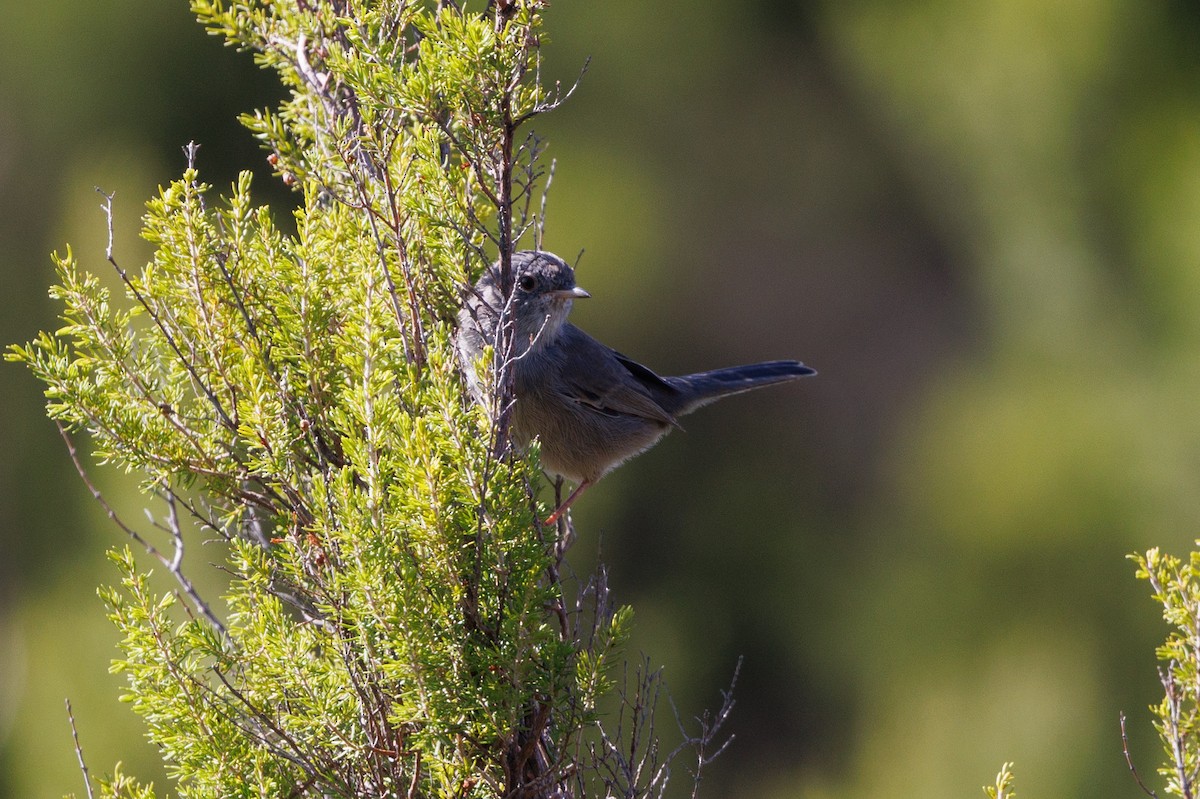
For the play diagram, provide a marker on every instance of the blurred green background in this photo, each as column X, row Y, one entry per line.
column 977, row 220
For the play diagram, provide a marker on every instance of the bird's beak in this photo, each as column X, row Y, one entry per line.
column 575, row 293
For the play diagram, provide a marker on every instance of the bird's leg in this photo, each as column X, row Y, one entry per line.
column 561, row 509
column 566, row 532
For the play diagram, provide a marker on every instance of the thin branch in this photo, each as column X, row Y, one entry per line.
column 539, row 232
column 1129, row 761
column 297, row 753
column 157, row 318
column 559, row 97
column 172, row 563
column 87, row 779
column 1174, row 729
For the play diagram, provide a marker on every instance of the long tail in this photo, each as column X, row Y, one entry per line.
column 702, row 388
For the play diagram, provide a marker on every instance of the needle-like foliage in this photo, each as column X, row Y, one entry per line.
column 1176, row 585
column 396, row 622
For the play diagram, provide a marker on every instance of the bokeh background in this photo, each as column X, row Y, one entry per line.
column 978, row 220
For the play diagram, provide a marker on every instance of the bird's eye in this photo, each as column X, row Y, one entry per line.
column 526, row 283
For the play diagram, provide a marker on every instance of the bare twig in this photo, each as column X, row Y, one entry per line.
column 1129, row 761
column 539, row 232
column 709, row 729
column 174, row 562
column 87, row 779
column 558, row 98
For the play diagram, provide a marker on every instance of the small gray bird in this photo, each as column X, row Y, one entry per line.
column 590, row 406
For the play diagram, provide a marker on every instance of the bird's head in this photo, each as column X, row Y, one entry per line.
column 543, row 291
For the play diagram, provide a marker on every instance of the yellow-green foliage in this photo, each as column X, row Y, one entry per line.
column 389, row 629
column 1176, row 585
